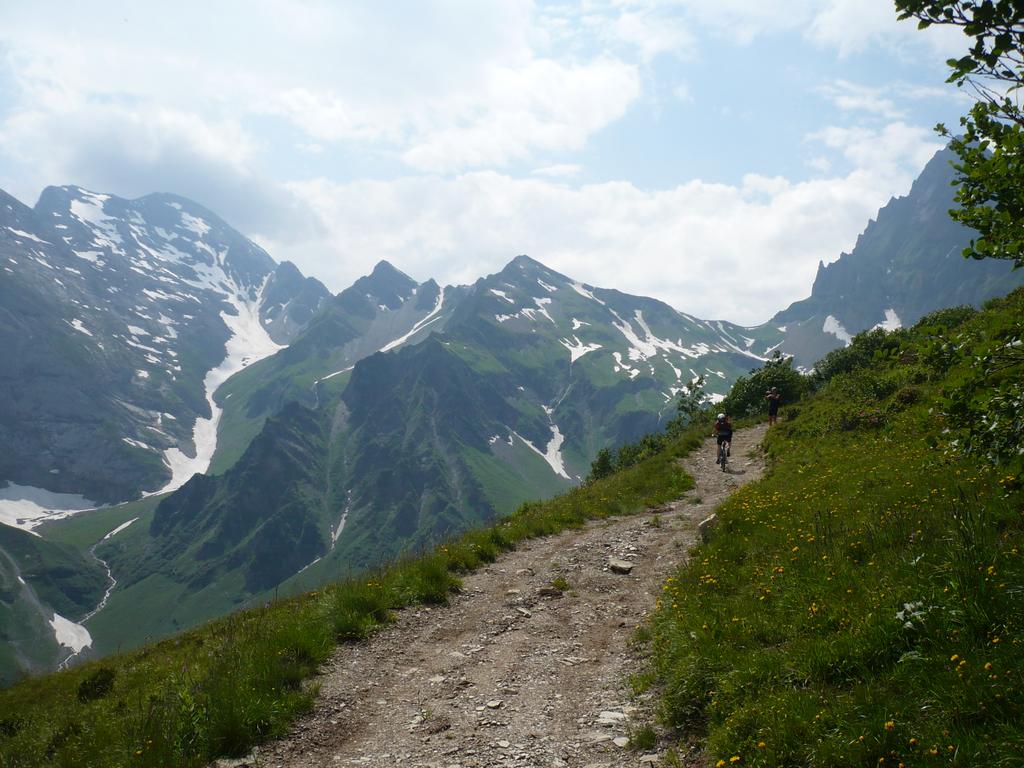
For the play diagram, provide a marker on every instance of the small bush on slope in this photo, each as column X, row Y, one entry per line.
column 747, row 396
column 864, row 603
column 220, row 689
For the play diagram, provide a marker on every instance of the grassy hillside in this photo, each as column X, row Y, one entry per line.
column 219, row 689
column 864, row 603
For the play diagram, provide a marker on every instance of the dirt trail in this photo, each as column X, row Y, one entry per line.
column 508, row 675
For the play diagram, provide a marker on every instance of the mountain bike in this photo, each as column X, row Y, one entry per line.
column 723, row 454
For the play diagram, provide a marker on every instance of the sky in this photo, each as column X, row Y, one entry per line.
column 708, row 154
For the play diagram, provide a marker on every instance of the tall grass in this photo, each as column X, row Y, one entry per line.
column 222, row 688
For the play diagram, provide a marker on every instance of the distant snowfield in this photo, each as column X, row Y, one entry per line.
column 577, row 348
column 70, row 635
column 892, row 321
column 26, row 507
column 430, row 318
column 552, row 454
column 833, row 326
column 249, row 343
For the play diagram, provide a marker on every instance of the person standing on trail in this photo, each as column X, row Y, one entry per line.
column 773, row 397
column 723, row 433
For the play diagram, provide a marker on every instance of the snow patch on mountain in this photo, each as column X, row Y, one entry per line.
column 583, row 291
column 833, row 326
column 577, row 348
column 25, row 507
column 27, row 236
column 435, row 314
column 552, row 454
column 892, row 321
column 119, row 528
column 69, row 634
column 621, row 366
column 542, row 308
column 248, row 343
column 79, row 326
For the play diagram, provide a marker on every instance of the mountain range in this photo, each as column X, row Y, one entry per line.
column 273, row 436
column 114, row 321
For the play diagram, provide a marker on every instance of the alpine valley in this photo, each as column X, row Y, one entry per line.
column 250, row 434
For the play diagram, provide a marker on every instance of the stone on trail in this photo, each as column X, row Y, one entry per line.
column 707, row 527
column 621, row 741
column 609, row 717
column 617, row 565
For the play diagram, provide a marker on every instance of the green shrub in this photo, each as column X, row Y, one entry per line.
column 97, row 685
column 747, row 396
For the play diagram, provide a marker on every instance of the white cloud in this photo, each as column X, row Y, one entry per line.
column 543, row 105
column 131, row 101
column 888, row 152
column 653, row 33
column 443, row 85
column 853, row 26
column 739, row 252
column 561, row 170
column 852, row 97
column 123, row 149
column 846, row 26
column 820, row 163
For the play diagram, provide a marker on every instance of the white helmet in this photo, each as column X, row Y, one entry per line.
column 721, row 415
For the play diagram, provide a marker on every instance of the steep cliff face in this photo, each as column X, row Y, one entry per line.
column 906, row 264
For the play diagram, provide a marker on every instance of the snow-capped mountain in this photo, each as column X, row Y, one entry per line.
column 405, row 412
column 118, row 320
column 146, row 340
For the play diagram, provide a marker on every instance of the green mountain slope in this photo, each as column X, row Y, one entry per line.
column 38, row 579
column 481, row 398
column 376, row 310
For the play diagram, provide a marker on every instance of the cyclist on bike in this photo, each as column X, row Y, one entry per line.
column 723, row 431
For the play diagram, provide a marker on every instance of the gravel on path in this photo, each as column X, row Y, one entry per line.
column 512, row 672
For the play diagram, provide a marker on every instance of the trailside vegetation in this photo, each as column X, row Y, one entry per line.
column 747, row 396
column 991, row 142
column 218, row 690
column 692, row 408
column 864, row 603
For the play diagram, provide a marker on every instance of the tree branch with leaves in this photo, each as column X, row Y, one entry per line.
column 991, row 145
